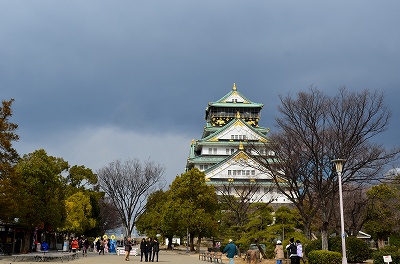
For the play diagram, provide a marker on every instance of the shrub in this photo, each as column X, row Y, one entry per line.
column 312, row 245
column 324, row 257
column 356, row 249
column 377, row 256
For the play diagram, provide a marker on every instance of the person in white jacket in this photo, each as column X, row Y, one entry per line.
column 299, row 251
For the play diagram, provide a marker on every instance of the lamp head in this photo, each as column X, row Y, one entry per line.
column 339, row 164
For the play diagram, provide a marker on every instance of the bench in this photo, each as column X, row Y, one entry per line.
column 44, row 256
column 216, row 257
column 203, row 255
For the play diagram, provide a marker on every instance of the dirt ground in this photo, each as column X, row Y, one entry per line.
column 263, row 261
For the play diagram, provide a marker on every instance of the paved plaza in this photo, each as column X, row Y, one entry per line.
column 176, row 257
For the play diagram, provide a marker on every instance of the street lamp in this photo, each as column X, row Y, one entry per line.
column 339, row 167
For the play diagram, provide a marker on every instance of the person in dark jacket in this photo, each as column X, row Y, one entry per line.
column 149, row 248
column 142, row 249
column 292, row 250
column 156, row 248
column 231, row 251
column 128, row 248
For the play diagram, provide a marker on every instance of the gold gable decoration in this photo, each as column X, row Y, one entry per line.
column 241, row 156
column 238, row 123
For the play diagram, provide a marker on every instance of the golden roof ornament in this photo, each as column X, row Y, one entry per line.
column 237, row 114
column 234, row 87
column 241, row 145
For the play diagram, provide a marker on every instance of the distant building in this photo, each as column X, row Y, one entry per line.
column 231, row 123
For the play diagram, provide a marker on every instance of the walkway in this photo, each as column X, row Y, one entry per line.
column 176, row 257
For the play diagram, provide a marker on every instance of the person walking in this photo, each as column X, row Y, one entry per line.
column 128, row 247
column 299, row 251
column 142, row 249
column 156, row 248
column 149, row 248
column 279, row 255
column 85, row 246
column 101, row 247
column 292, row 250
column 231, row 251
column 74, row 245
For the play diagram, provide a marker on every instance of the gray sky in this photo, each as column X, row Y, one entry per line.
column 95, row 81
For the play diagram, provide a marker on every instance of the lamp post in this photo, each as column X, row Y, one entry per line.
column 339, row 167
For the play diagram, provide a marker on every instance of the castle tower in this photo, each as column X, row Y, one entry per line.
column 231, row 123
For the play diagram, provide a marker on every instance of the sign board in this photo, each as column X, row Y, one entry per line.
column 387, row 259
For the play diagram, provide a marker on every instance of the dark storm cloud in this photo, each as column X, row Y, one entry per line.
column 151, row 67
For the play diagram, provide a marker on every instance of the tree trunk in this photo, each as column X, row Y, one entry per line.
column 26, row 242
column 198, row 244
column 381, row 243
column 191, row 242
column 169, row 246
column 324, row 236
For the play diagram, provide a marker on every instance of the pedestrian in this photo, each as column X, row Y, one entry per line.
column 101, row 250
column 142, row 248
column 128, row 247
column 279, row 255
column 149, row 248
column 85, row 247
column 98, row 245
column 299, row 251
column 74, row 245
column 231, row 251
column 156, row 248
column 292, row 250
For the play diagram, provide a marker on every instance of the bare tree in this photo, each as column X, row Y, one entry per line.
column 109, row 216
column 313, row 130
column 128, row 184
column 238, row 197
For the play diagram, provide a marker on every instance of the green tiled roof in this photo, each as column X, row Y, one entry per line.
column 222, row 129
column 223, row 103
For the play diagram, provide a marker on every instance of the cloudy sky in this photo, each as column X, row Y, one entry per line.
column 94, row 81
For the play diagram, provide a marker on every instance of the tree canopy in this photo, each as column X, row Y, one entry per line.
column 8, row 155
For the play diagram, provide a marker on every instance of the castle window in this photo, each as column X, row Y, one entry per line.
column 227, row 151
column 210, row 151
column 229, row 172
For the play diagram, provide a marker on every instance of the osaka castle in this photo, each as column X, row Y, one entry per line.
column 231, row 123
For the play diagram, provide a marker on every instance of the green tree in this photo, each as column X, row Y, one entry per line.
column 80, row 177
column 159, row 217
column 38, row 192
column 8, row 158
column 382, row 216
column 8, row 155
column 79, row 216
column 195, row 204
